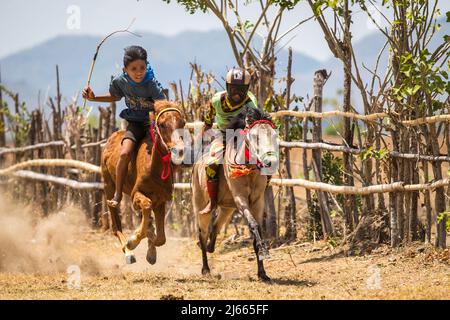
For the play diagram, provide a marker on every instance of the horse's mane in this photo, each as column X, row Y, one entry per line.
column 249, row 113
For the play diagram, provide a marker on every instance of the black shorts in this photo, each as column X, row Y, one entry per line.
column 136, row 131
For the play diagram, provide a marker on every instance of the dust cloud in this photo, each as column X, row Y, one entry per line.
column 32, row 244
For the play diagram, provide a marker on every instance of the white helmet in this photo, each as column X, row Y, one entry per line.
column 238, row 82
column 238, row 76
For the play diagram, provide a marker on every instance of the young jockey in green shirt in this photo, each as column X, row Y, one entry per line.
column 224, row 107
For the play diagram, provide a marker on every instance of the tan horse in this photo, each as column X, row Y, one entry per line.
column 149, row 180
column 244, row 193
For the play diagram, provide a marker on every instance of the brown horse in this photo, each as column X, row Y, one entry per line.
column 149, row 181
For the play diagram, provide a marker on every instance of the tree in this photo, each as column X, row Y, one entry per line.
column 243, row 33
column 413, row 86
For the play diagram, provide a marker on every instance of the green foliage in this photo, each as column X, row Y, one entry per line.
column 273, row 103
column 192, row 5
column 336, row 5
column 295, row 124
column 314, row 226
column 20, row 120
column 295, row 129
column 246, row 26
column 93, row 121
column 421, row 75
column 332, row 168
column 333, row 243
column 288, row 4
column 370, row 153
column 269, row 106
column 444, row 215
column 335, row 129
column 332, row 173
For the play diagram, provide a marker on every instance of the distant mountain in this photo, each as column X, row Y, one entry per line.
column 32, row 70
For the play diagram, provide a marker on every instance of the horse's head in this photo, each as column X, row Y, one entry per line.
column 169, row 119
column 261, row 138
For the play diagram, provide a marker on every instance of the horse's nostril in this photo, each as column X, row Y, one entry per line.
column 177, row 151
column 270, row 162
column 177, row 155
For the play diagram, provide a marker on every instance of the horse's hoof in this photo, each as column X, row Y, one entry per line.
column 206, row 271
column 151, row 255
column 210, row 247
column 130, row 259
column 264, row 278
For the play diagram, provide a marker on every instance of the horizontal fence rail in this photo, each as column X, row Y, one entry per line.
column 283, row 144
column 51, row 163
column 381, row 188
column 50, row 144
column 369, row 118
column 31, row 175
column 341, row 148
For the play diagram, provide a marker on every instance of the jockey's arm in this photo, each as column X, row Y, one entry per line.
column 208, row 121
column 106, row 98
column 89, row 94
column 209, row 118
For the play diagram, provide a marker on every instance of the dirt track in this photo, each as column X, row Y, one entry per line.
column 302, row 271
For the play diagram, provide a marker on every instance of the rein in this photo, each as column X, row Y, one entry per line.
column 155, row 133
column 249, row 146
column 254, row 123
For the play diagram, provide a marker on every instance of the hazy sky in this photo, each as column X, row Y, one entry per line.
column 25, row 23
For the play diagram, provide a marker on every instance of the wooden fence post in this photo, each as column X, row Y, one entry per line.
column 290, row 209
column 319, row 81
column 2, row 118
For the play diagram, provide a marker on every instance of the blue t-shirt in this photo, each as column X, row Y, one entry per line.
column 139, row 97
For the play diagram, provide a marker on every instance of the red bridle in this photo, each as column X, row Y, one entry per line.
column 262, row 121
column 245, row 131
column 166, row 158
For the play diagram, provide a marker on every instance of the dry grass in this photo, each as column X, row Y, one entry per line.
column 305, row 271
column 35, row 254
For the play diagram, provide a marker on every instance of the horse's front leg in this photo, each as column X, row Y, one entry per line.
column 144, row 204
column 259, row 258
column 151, row 249
column 160, row 215
column 261, row 251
